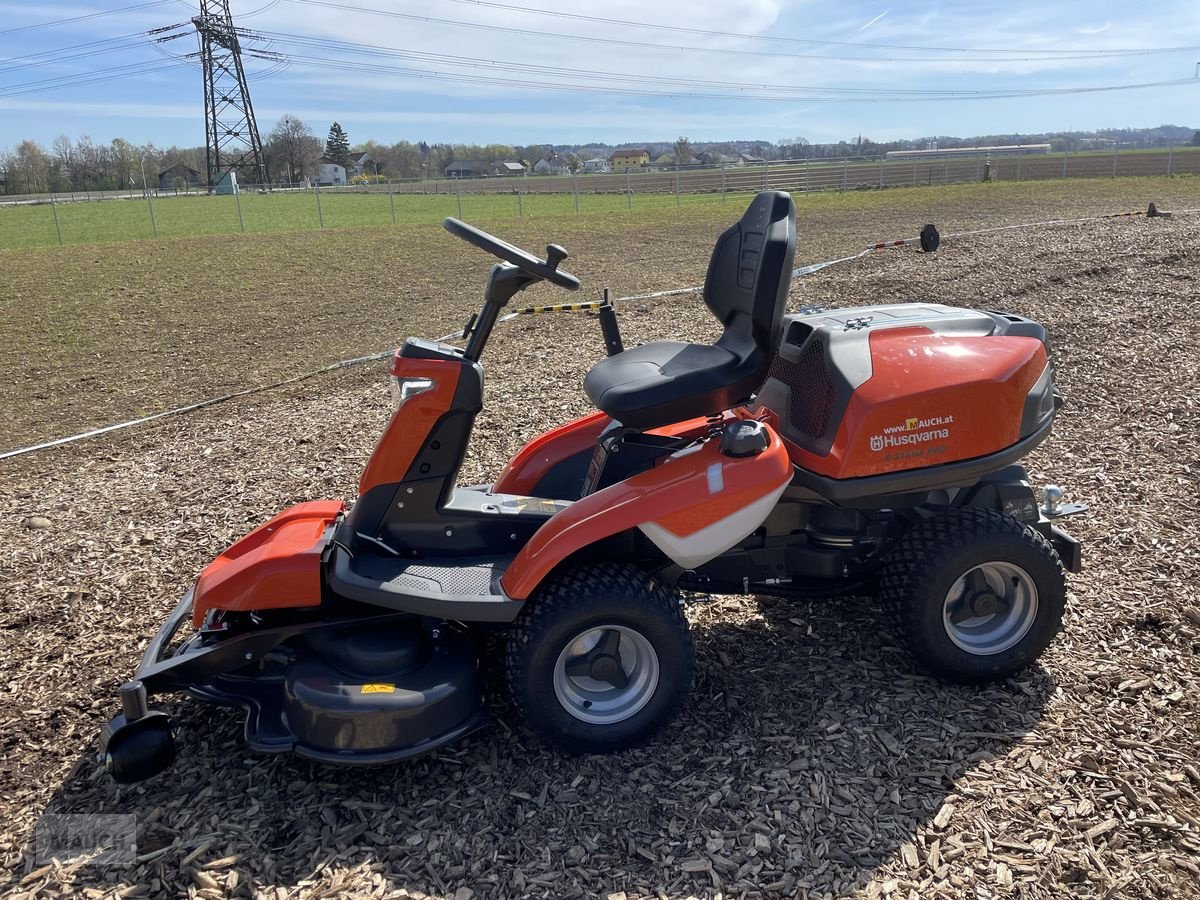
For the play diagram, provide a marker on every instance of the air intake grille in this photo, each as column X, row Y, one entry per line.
column 812, row 395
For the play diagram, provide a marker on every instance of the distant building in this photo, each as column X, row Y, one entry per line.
column 552, row 165
column 669, row 159
column 362, row 163
column 621, row 160
column 180, row 177
column 330, row 172
column 508, row 167
column 941, row 152
column 466, row 168
column 596, row 166
column 749, row 159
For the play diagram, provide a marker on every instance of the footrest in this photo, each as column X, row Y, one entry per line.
column 465, row 590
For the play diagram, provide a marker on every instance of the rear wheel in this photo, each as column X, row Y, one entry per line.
column 976, row 595
column 600, row 659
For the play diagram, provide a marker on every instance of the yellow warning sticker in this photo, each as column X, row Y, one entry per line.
column 378, row 689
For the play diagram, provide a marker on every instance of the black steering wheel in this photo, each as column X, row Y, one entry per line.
column 546, row 269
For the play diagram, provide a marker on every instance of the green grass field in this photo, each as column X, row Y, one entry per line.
column 187, row 216
column 194, row 215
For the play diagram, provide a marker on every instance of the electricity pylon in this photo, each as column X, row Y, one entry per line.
column 231, row 133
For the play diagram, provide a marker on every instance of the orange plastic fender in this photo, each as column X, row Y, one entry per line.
column 276, row 566
column 694, row 505
column 545, row 451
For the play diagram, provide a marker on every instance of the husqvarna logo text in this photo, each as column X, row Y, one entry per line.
column 914, row 431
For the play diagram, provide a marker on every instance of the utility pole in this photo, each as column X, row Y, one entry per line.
column 231, row 133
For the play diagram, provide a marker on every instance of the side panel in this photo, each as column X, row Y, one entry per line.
column 410, row 424
column 931, row 399
column 694, row 506
column 540, row 455
column 276, row 566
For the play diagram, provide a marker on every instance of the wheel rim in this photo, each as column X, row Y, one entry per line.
column 990, row 608
column 606, row 675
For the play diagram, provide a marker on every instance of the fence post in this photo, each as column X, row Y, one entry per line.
column 766, row 175
column 914, row 182
column 320, row 215
column 1064, row 174
column 806, row 176
column 392, row 200
column 845, row 167
column 153, row 224
column 520, row 198
column 628, row 189
column 880, row 172
column 458, row 192
column 722, row 182
column 1170, row 154
column 1114, row 174
column 54, row 209
column 676, row 184
column 1020, row 157
column 946, row 175
column 237, row 198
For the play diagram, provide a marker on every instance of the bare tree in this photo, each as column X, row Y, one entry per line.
column 293, row 144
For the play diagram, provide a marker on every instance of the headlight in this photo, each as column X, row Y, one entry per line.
column 404, row 388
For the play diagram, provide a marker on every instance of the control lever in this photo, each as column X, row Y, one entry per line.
column 609, row 327
column 554, row 255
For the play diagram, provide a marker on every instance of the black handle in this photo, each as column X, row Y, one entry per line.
column 609, row 327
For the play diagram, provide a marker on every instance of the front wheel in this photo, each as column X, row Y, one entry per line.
column 600, row 659
column 976, row 595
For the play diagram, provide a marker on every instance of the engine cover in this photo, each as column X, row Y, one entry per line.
column 882, row 389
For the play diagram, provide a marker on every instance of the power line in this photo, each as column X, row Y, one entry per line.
column 85, row 18
column 761, row 37
column 1038, row 56
column 686, row 92
column 82, row 78
column 592, row 75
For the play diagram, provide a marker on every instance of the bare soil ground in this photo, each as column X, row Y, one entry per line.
column 813, row 759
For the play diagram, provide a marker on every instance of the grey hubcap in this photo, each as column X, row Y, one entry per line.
column 990, row 608
column 605, row 675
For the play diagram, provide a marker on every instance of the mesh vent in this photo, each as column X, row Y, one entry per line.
column 812, row 395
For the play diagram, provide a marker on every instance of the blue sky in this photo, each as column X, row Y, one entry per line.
column 164, row 106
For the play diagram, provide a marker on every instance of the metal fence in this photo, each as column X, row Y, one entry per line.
column 518, row 196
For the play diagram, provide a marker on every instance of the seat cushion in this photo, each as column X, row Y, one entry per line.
column 667, row 381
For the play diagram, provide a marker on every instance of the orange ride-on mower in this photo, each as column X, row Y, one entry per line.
column 868, row 450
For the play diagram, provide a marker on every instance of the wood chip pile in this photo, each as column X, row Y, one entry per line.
column 813, row 760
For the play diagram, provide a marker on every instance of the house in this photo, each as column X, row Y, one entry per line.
column 179, row 177
column 508, row 167
column 466, row 168
column 668, row 160
column 713, row 159
column 552, row 165
column 597, row 166
column 623, row 160
column 747, row 159
column 363, row 163
column 330, row 172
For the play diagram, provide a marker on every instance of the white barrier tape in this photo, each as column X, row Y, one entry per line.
column 454, row 335
column 178, row 411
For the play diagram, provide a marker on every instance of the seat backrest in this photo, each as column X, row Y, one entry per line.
column 749, row 276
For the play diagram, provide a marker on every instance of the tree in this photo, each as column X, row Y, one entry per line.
column 1196, row 139
column 293, row 149
column 683, row 150
column 337, row 146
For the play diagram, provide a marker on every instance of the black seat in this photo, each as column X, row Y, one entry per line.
column 746, row 288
